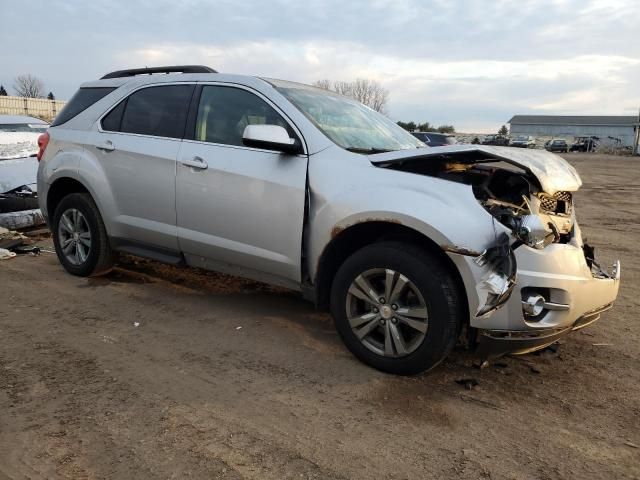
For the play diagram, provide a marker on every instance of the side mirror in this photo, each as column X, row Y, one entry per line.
column 270, row 137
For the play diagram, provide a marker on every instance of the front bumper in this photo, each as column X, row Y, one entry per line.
column 561, row 275
column 493, row 343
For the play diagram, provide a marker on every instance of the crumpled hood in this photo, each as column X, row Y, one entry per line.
column 553, row 172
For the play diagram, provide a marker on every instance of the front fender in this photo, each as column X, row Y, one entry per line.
column 445, row 212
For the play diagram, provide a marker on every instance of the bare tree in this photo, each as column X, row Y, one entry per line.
column 323, row 84
column 368, row 92
column 28, row 86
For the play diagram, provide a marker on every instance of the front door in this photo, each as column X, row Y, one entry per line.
column 239, row 209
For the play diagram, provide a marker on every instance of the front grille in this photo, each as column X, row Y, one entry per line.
column 558, row 203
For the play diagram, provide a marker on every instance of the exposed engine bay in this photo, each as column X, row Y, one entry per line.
column 509, row 193
column 513, row 195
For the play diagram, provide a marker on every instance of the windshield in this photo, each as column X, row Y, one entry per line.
column 346, row 122
column 522, row 137
column 22, row 127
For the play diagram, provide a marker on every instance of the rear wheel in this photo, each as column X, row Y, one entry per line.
column 396, row 307
column 80, row 237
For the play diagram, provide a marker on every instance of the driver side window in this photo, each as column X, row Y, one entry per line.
column 224, row 112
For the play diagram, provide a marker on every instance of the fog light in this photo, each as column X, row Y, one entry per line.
column 534, row 305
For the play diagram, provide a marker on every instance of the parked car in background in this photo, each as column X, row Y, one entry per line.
column 584, row 144
column 18, row 170
column 499, row 140
column 557, row 145
column 523, row 141
column 297, row 186
column 22, row 124
column 435, row 139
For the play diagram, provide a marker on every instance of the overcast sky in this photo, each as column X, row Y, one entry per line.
column 472, row 64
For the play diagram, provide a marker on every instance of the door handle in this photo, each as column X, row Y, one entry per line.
column 195, row 162
column 106, row 146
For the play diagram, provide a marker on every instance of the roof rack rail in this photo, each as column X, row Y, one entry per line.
column 132, row 72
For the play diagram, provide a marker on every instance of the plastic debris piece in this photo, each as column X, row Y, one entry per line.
column 6, row 254
column 136, row 324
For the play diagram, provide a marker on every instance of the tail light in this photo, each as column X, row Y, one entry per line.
column 43, row 141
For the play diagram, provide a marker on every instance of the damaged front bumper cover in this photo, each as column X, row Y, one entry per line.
column 558, row 289
column 494, row 343
column 499, row 280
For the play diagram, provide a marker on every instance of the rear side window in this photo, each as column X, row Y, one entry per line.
column 83, row 99
column 158, row 111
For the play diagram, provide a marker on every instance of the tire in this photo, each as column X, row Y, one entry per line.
column 395, row 340
column 80, row 237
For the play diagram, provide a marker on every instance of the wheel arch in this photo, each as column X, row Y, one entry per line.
column 59, row 189
column 347, row 241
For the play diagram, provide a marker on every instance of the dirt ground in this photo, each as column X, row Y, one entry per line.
column 161, row 372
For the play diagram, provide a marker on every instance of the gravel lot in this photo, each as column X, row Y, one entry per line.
column 226, row 378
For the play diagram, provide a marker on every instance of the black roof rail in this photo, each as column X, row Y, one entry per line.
column 148, row 71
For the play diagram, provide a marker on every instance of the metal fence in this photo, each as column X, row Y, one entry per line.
column 34, row 107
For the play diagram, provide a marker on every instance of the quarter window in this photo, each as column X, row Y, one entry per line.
column 158, row 111
column 224, row 112
column 83, row 99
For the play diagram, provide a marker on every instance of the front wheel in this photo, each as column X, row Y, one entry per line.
column 397, row 307
column 80, row 237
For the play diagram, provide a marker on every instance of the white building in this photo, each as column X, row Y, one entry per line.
column 610, row 129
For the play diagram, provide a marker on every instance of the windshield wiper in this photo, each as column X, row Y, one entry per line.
column 369, row 151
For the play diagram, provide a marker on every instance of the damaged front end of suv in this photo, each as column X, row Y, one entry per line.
column 537, row 280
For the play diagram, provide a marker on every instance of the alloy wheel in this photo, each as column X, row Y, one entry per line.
column 74, row 236
column 387, row 312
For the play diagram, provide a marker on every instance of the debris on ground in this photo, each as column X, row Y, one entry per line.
column 6, row 254
column 468, row 383
column 21, row 219
column 551, row 349
column 481, row 365
column 16, row 243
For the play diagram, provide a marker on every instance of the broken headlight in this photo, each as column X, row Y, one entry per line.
column 533, row 232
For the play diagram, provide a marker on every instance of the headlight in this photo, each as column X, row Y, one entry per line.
column 533, row 232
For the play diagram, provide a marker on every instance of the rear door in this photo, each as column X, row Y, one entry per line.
column 137, row 145
column 239, row 209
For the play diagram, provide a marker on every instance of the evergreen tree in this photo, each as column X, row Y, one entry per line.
column 503, row 131
column 50, row 96
column 3, row 92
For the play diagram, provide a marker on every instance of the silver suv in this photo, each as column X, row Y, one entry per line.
column 299, row 187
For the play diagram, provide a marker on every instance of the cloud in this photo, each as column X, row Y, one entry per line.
column 466, row 62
